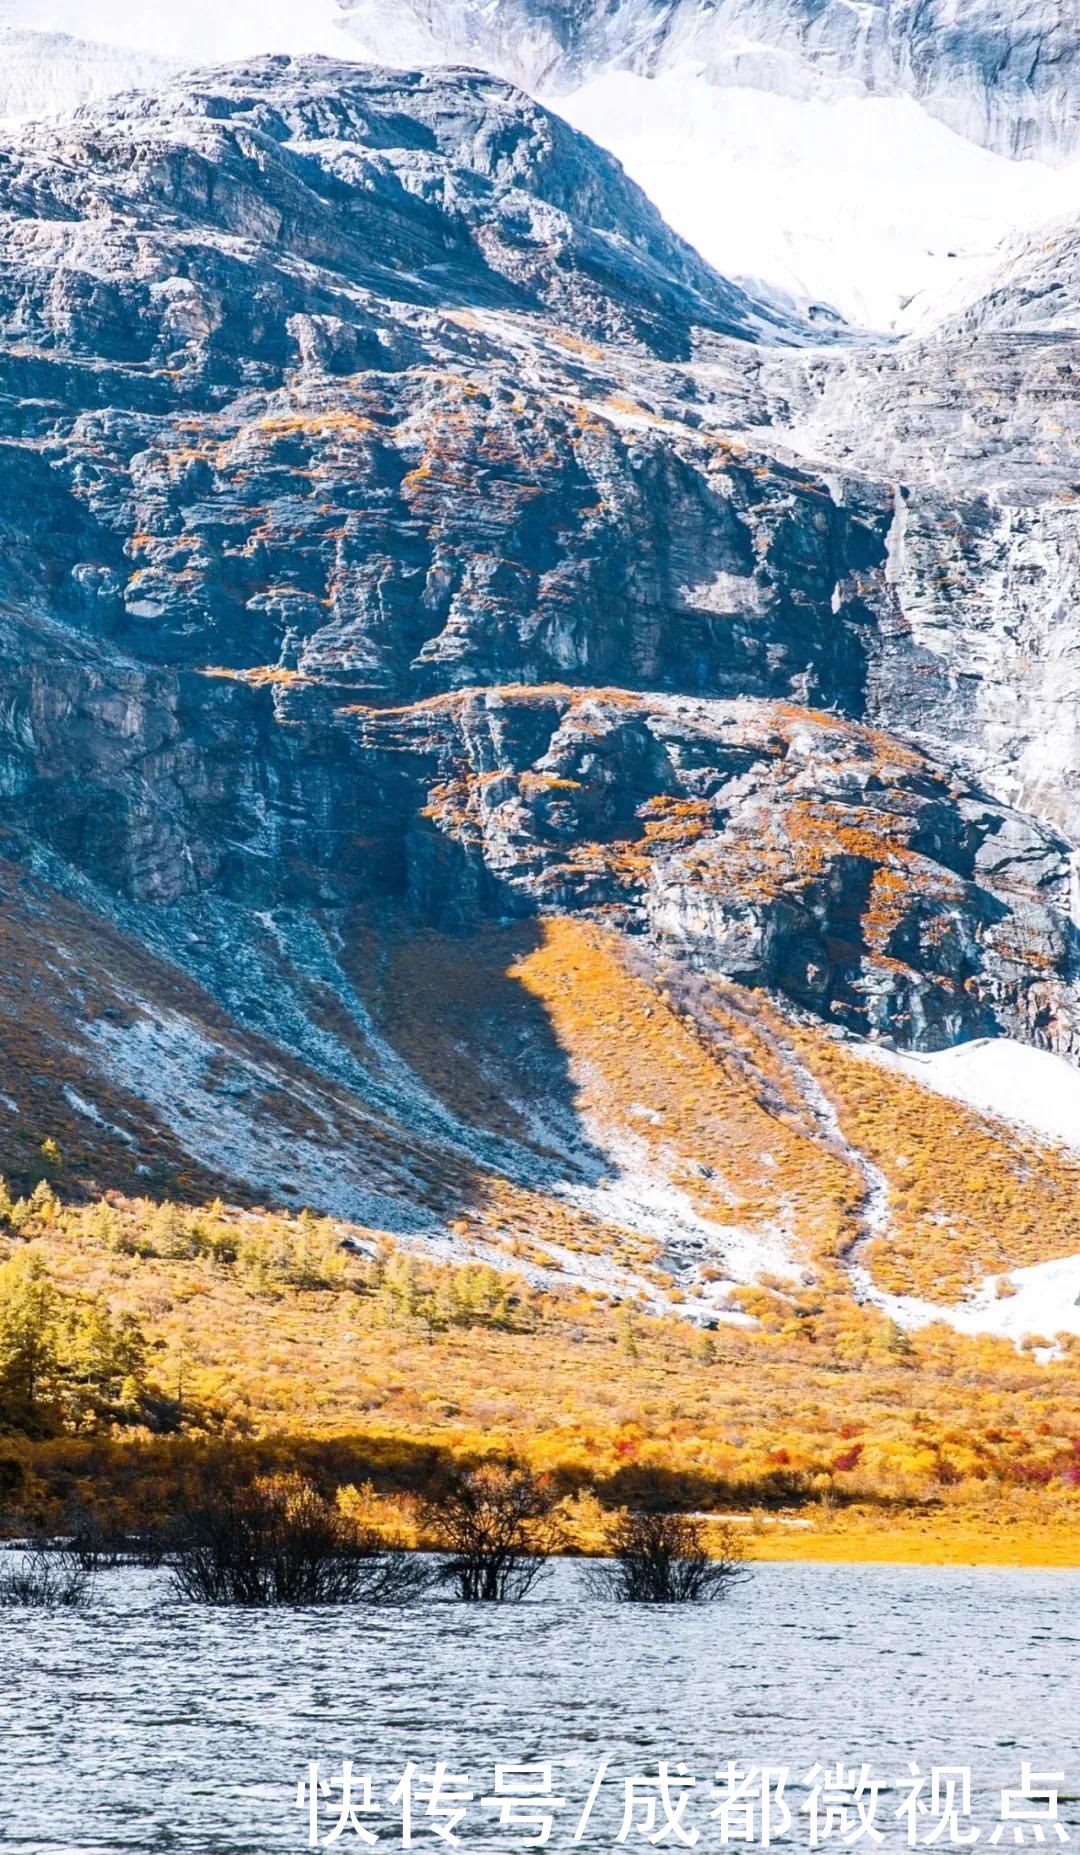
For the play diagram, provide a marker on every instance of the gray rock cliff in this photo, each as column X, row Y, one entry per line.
column 396, row 517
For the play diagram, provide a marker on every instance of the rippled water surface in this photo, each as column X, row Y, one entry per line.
column 146, row 1725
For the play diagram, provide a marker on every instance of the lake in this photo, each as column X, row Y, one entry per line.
column 142, row 1724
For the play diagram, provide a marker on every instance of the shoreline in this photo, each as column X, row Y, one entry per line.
column 1004, row 1545
column 785, row 1540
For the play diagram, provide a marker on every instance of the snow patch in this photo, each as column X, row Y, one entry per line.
column 642, row 1197
column 91, row 1112
column 1038, row 1094
column 1033, row 1090
column 1037, row 1302
column 868, row 205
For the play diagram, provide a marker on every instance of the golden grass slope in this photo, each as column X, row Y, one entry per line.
column 877, row 1444
column 542, row 1320
column 663, row 1133
column 712, row 1088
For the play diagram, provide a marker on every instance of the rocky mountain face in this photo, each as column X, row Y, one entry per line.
column 784, row 848
column 407, row 542
column 977, row 428
column 864, row 162
column 1004, row 76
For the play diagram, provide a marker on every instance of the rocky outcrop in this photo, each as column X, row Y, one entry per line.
column 786, row 848
column 781, row 846
column 321, row 186
column 1033, row 290
column 398, row 533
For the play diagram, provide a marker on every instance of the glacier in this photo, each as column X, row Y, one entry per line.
column 868, row 205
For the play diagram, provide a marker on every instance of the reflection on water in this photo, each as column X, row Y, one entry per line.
column 144, row 1725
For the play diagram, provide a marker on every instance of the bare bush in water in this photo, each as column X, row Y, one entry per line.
column 45, row 1580
column 662, row 1559
column 498, row 1528
column 278, row 1541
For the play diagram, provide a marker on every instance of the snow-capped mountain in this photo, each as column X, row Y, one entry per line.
column 498, row 721
column 870, row 159
column 410, row 546
column 1002, row 75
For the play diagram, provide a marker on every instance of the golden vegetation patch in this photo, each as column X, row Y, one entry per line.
column 259, row 676
column 640, row 1070
column 550, row 1036
column 967, row 1197
column 259, row 1333
column 560, row 1038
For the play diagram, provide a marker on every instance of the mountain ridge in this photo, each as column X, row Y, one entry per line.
column 805, row 116
column 400, row 572
column 1007, row 82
